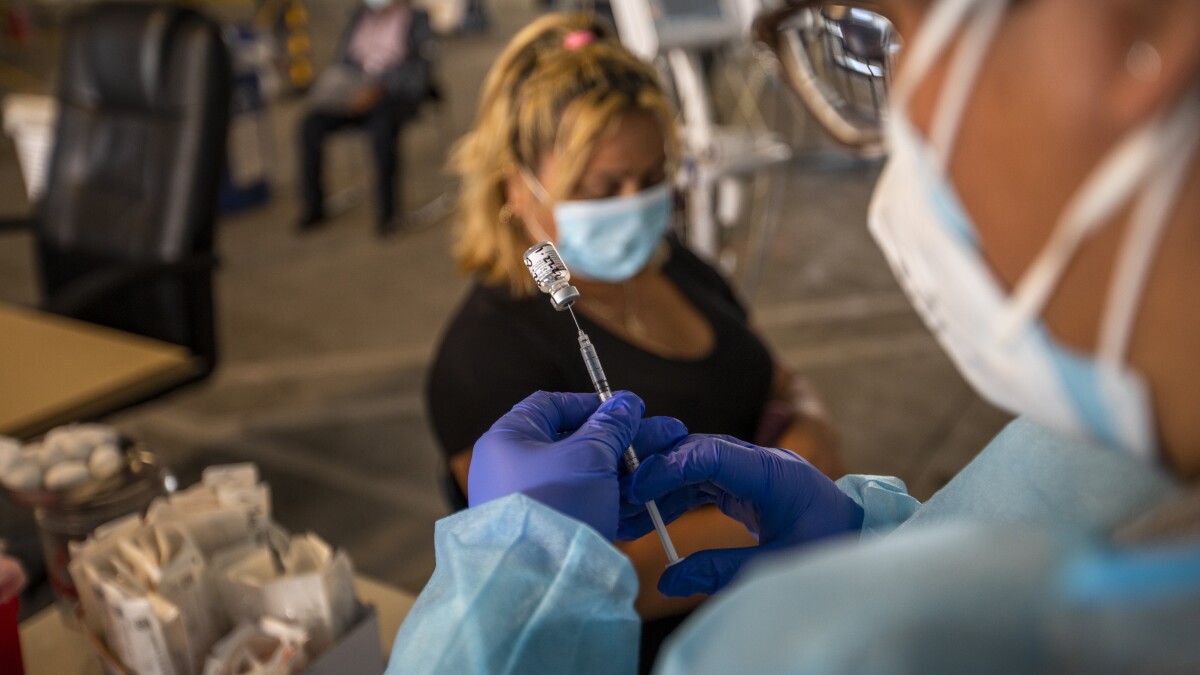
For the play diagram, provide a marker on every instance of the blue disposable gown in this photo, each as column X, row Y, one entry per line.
column 1006, row 569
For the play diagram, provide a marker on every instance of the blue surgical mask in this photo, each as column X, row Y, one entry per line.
column 609, row 239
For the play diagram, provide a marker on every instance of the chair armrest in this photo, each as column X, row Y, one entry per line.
column 18, row 224
column 89, row 288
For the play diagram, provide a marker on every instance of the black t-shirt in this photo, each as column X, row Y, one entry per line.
column 499, row 349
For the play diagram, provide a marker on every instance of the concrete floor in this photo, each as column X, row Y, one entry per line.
column 326, row 337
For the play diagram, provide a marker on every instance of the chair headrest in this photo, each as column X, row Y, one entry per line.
column 119, row 52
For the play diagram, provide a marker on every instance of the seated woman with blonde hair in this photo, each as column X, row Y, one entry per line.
column 574, row 143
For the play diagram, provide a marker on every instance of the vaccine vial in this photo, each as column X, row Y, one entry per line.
column 551, row 275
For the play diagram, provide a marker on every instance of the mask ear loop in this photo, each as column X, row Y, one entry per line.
column 931, row 39
column 1109, row 185
column 535, row 186
column 960, row 81
column 935, row 34
column 541, row 194
column 1147, row 224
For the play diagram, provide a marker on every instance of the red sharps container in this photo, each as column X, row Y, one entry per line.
column 11, row 581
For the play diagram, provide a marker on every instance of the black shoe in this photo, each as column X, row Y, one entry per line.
column 387, row 228
column 475, row 22
column 310, row 222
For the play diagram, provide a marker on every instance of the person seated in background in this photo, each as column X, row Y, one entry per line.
column 574, row 143
column 379, row 79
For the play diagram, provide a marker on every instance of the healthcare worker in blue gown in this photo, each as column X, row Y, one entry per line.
column 1041, row 208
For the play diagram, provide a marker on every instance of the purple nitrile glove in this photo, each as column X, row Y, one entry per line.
column 777, row 495
column 564, row 450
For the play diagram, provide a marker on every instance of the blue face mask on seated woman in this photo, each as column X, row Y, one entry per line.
column 608, row 239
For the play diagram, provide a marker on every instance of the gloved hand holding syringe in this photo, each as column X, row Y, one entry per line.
column 553, row 278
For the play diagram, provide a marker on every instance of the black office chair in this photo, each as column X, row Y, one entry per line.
column 124, row 233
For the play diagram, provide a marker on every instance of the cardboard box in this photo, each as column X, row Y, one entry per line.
column 358, row 650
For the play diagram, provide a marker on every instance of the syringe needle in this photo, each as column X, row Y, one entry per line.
column 572, row 312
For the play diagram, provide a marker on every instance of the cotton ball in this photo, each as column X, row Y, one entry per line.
column 67, row 443
column 30, row 453
column 48, row 455
column 22, row 475
column 95, row 435
column 67, row 475
column 10, row 451
column 105, row 461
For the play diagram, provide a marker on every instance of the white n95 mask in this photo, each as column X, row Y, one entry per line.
column 997, row 339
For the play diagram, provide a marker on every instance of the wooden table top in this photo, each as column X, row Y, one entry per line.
column 55, row 370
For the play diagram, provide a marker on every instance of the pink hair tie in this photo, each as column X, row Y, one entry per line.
column 579, row 38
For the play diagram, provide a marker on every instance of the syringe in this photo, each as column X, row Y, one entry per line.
column 553, row 278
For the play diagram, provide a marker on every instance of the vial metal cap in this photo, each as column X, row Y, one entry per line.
column 564, row 297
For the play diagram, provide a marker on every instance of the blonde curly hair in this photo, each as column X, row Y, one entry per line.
column 543, row 96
